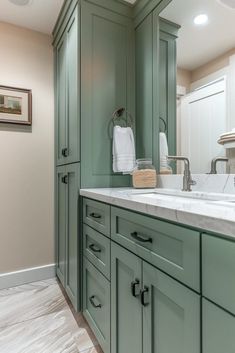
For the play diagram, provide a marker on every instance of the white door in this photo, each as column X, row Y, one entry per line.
column 203, row 120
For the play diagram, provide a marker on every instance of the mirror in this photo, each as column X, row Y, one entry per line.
column 205, row 81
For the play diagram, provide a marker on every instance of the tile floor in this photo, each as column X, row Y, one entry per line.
column 36, row 318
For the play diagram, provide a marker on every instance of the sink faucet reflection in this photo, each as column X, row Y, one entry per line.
column 187, row 179
column 214, row 163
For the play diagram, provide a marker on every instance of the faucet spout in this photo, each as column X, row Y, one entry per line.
column 187, row 179
column 214, row 163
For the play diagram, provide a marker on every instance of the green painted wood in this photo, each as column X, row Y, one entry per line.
column 60, row 228
column 171, row 321
column 107, row 82
column 97, row 215
column 73, row 88
column 218, row 271
column 116, row 6
column 167, row 82
column 61, row 99
column 72, row 234
column 96, row 288
column 96, row 248
column 68, row 93
column 144, row 87
column 144, row 7
column 126, row 311
column 174, row 249
column 218, row 330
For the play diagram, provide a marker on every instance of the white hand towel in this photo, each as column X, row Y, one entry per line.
column 163, row 149
column 123, row 150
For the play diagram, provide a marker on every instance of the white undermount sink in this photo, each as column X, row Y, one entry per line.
column 196, row 195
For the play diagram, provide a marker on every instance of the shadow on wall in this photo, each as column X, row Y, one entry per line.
column 15, row 128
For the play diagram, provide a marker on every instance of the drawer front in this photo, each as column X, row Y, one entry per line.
column 96, row 247
column 97, row 215
column 173, row 249
column 218, row 271
column 96, row 304
column 218, row 329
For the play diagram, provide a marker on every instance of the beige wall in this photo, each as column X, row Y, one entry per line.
column 26, row 155
column 184, row 78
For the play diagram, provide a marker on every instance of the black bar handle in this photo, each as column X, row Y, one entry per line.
column 134, row 284
column 145, row 290
column 93, row 303
column 141, row 239
column 65, row 179
column 95, row 215
column 65, row 152
column 93, row 248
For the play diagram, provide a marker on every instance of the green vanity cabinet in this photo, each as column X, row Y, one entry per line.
column 67, row 93
column 218, row 329
column 67, row 235
column 150, row 311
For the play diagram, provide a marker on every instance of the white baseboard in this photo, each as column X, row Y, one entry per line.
column 34, row 274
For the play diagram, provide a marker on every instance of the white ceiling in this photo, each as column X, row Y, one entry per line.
column 38, row 15
column 199, row 45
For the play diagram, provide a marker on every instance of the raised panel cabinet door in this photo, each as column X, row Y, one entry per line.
column 61, row 87
column 107, row 83
column 73, row 88
column 61, row 223
column 218, row 329
column 72, row 239
column 171, row 314
column 126, row 311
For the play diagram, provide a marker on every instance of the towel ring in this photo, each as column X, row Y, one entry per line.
column 165, row 126
column 118, row 114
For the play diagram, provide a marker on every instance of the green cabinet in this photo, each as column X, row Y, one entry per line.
column 126, row 311
column 218, row 329
column 107, row 83
column 150, row 311
column 67, row 234
column 156, row 85
column 67, row 93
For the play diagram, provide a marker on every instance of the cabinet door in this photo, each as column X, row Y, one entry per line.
column 61, row 223
column 107, row 72
column 61, row 100
column 171, row 317
column 72, row 238
column 126, row 325
column 218, row 329
column 73, row 91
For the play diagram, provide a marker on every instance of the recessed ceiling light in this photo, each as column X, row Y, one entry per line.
column 201, row 19
column 20, row 2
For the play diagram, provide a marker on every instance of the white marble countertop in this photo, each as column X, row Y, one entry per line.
column 215, row 213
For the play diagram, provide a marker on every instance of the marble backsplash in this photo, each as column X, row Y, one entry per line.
column 219, row 183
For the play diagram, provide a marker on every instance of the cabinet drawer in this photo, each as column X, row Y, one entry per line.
column 96, row 247
column 96, row 304
column 97, row 215
column 173, row 249
column 218, row 329
column 218, row 271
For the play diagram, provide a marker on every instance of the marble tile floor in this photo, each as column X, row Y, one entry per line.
column 38, row 318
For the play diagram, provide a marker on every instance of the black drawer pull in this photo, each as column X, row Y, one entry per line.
column 65, row 179
column 65, row 152
column 93, row 248
column 134, row 284
column 145, row 290
column 93, row 303
column 141, row 239
column 95, row 215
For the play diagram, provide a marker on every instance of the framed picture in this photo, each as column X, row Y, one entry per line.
column 15, row 105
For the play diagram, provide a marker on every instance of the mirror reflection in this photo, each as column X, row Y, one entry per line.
column 205, row 83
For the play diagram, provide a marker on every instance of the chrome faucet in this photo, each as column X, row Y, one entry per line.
column 214, row 163
column 187, row 179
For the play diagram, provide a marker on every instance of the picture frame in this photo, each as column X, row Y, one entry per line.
column 15, row 105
